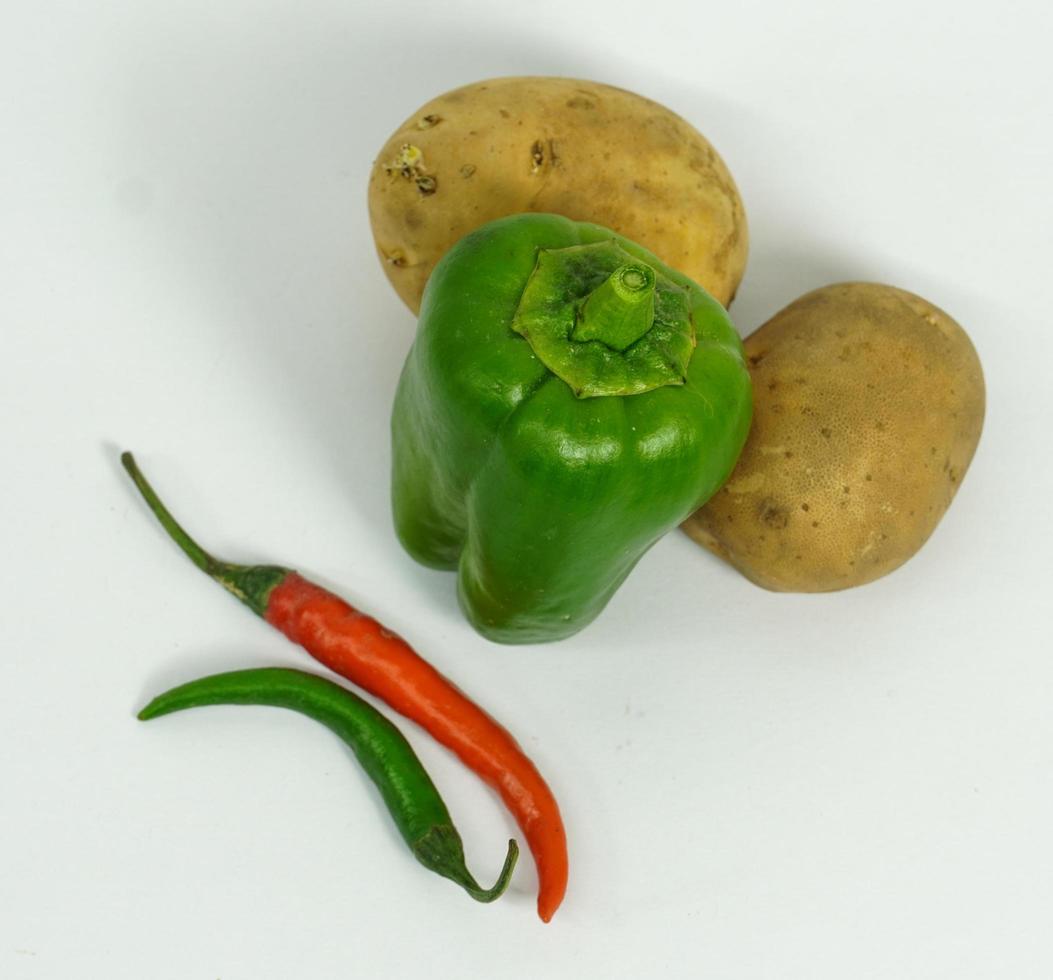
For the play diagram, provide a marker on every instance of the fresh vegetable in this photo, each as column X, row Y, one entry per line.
column 568, row 400
column 408, row 792
column 357, row 647
column 869, row 403
column 559, row 145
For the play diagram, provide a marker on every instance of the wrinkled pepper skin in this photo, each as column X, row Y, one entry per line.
column 541, row 495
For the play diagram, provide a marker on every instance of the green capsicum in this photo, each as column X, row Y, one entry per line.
column 568, row 399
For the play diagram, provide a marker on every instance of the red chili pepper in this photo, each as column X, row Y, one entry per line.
column 357, row 647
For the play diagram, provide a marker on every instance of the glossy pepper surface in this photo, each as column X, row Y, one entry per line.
column 568, row 399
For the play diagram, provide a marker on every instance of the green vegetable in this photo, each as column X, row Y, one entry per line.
column 568, row 399
column 409, row 794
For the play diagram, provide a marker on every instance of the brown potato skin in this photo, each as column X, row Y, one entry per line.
column 868, row 406
column 581, row 149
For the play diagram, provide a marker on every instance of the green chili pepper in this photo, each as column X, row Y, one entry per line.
column 410, row 795
column 568, row 399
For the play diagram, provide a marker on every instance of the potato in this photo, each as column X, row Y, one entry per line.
column 868, row 405
column 580, row 149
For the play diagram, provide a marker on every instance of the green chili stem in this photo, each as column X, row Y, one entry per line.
column 486, row 895
column 441, row 851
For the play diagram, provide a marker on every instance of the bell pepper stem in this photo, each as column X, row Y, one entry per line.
column 620, row 310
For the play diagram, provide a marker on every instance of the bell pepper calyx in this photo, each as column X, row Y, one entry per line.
column 605, row 322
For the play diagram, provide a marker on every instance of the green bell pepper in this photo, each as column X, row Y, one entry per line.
column 568, row 399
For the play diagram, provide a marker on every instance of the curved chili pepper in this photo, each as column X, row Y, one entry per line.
column 409, row 794
column 359, row 648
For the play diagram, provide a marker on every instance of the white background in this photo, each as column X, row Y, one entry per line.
column 771, row 787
